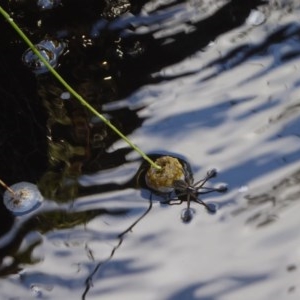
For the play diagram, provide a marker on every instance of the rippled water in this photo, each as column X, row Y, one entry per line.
column 213, row 82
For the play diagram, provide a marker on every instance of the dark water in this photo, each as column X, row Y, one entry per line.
column 114, row 49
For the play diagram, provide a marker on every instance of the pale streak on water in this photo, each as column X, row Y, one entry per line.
column 244, row 121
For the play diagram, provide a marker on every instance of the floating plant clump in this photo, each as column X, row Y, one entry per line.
column 161, row 180
column 22, row 198
column 51, row 50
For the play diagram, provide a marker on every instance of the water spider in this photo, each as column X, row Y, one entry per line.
column 187, row 190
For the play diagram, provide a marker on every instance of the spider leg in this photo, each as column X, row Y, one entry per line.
column 220, row 189
column 210, row 174
column 187, row 213
column 204, row 204
column 206, row 191
column 210, row 207
column 199, row 184
column 188, row 201
column 200, row 202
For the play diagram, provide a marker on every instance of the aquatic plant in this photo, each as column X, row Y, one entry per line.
column 163, row 181
column 46, row 62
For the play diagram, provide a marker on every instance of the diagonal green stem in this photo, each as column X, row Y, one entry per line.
column 72, row 91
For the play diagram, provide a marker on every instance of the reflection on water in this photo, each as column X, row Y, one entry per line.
column 215, row 81
column 265, row 208
column 42, row 222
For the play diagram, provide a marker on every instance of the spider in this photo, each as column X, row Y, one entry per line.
column 187, row 190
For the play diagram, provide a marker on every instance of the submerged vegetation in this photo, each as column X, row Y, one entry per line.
column 46, row 61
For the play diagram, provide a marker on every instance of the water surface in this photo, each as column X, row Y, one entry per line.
column 212, row 82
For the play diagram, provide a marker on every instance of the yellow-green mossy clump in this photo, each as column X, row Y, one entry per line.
column 161, row 180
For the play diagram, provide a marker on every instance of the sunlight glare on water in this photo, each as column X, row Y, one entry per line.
column 243, row 120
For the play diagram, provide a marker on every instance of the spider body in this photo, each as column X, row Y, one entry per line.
column 187, row 190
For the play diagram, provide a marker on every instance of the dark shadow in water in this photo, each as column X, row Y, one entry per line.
column 121, row 236
column 47, row 282
column 209, row 118
column 78, row 141
column 137, row 5
column 42, row 222
column 239, row 282
column 23, row 144
column 115, row 269
column 279, row 196
column 136, row 71
column 7, row 219
column 275, row 45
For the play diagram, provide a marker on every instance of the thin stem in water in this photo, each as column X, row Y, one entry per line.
column 72, row 91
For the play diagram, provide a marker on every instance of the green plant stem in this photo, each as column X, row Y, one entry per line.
column 72, row 91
